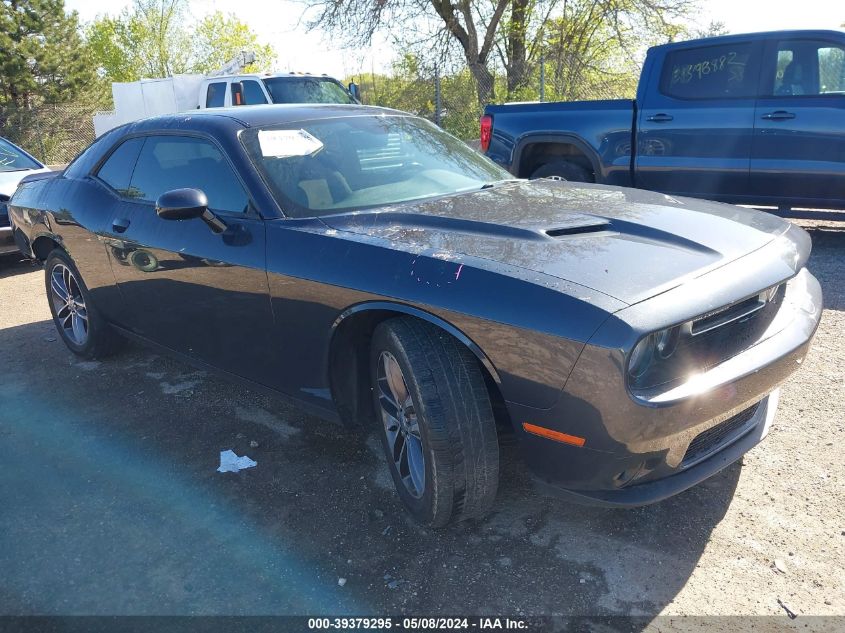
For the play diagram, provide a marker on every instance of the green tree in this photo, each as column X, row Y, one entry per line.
column 510, row 34
column 154, row 38
column 405, row 88
column 410, row 87
column 219, row 38
column 43, row 57
column 146, row 40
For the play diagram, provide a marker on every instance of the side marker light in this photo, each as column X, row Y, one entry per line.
column 557, row 436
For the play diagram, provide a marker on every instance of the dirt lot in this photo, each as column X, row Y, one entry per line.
column 111, row 503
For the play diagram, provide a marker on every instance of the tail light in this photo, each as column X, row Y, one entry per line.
column 486, row 131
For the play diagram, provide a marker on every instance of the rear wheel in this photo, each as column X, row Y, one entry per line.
column 436, row 422
column 79, row 324
column 566, row 169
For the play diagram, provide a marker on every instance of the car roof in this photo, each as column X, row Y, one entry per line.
column 727, row 39
column 260, row 115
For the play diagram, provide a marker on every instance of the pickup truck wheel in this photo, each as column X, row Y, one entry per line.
column 565, row 169
column 436, row 422
column 79, row 324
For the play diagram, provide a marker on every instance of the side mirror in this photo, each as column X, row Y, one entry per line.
column 181, row 204
column 354, row 91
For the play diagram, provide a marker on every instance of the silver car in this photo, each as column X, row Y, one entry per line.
column 15, row 164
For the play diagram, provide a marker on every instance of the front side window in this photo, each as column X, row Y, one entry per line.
column 176, row 162
column 215, row 96
column 306, row 90
column 325, row 166
column 804, row 67
column 711, row 72
column 252, row 92
column 13, row 159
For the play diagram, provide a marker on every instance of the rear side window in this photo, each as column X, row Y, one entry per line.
column 712, row 72
column 116, row 172
column 176, row 162
column 215, row 97
column 252, row 92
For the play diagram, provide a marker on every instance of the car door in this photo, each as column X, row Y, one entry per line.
column 696, row 121
column 799, row 136
column 196, row 291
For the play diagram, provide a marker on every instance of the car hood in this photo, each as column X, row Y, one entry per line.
column 626, row 243
column 9, row 179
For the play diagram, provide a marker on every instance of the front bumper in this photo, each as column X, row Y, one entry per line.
column 641, row 494
column 636, row 450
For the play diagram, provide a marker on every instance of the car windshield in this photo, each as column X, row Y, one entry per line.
column 13, row 159
column 331, row 165
column 306, row 90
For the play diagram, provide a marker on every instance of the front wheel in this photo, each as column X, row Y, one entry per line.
column 436, row 422
column 79, row 324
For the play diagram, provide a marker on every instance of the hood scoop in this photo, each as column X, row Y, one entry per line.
column 578, row 229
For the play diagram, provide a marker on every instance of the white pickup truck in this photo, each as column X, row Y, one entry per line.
column 150, row 97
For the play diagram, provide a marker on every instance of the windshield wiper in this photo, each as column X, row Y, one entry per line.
column 496, row 183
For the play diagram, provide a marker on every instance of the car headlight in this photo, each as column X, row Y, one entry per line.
column 667, row 341
column 660, row 344
column 641, row 356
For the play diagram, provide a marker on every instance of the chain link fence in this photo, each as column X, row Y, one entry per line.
column 53, row 133
column 454, row 96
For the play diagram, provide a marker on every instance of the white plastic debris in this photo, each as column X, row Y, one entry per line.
column 231, row 463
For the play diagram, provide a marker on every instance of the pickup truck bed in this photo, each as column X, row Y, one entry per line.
column 530, row 141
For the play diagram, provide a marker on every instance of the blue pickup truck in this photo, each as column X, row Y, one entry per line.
column 749, row 119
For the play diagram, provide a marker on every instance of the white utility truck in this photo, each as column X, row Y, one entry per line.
column 226, row 87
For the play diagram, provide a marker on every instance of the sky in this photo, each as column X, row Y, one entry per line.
column 278, row 22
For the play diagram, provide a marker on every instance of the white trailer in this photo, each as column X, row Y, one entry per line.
column 149, row 97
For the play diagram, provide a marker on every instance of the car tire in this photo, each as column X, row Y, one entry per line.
column 565, row 169
column 446, row 418
column 77, row 320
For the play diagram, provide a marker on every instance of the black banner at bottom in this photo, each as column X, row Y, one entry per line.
column 419, row 623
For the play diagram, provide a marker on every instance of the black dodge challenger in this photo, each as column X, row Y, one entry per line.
column 376, row 270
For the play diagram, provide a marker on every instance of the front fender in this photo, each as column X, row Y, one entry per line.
column 401, row 308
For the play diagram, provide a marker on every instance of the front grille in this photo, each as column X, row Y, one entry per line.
column 719, row 436
column 723, row 316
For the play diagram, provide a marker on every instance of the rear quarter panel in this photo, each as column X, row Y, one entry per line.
column 73, row 214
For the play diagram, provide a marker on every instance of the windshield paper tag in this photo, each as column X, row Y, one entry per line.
column 287, row 143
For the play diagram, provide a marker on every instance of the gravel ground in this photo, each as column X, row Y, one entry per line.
column 111, row 503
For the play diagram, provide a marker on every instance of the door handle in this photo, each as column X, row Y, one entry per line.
column 120, row 225
column 779, row 115
column 660, row 118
